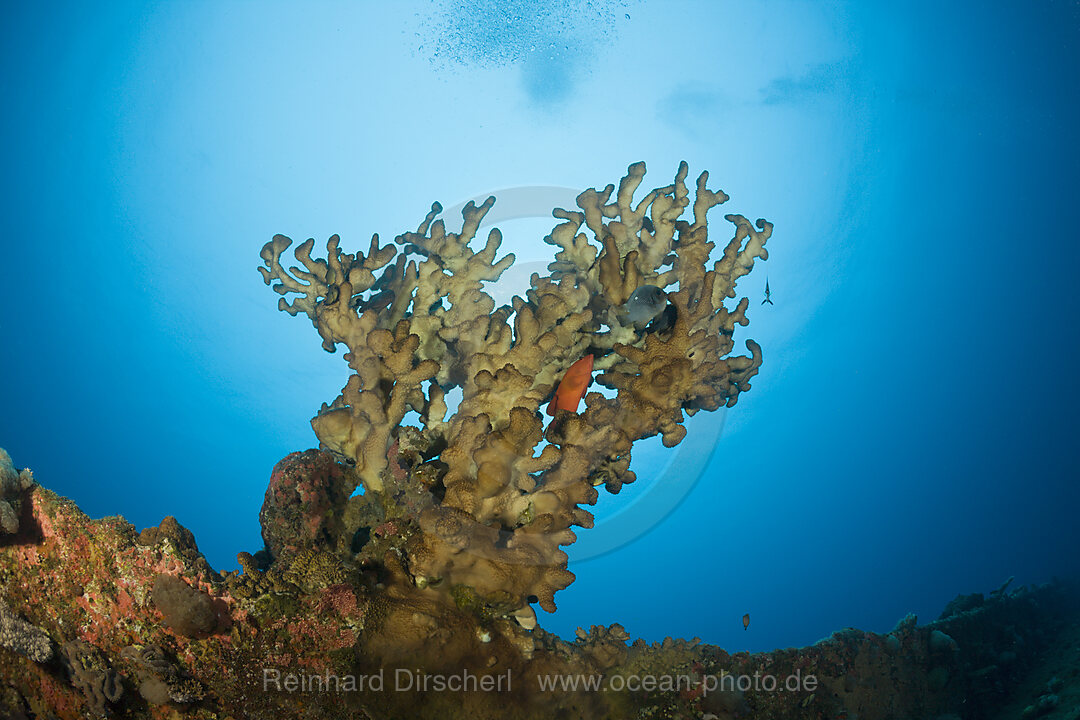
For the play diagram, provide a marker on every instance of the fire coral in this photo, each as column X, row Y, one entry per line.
column 483, row 515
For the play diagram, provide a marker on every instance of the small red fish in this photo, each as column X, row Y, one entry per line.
column 573, row 386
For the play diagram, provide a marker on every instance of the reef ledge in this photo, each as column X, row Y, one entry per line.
column 88, row 628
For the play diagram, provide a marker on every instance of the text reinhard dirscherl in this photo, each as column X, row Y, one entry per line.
column 410, row 680
column 402, row 680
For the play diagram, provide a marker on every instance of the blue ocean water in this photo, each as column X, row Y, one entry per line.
column 910, row 435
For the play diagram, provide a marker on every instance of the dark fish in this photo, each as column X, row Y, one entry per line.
column 664, row 321
column 643, row 306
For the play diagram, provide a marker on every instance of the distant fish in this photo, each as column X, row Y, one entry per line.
column 572, row 387
column 647, row 223
column 643, row 306
column 746, row 621
column 767, row 293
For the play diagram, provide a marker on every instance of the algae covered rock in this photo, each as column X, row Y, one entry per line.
column 12, row 485
column 20, row 636
column 186, row 610
column 92, row 675
column 301, row 508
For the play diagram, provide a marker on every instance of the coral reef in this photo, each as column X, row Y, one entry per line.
column 88, row 585
column 414, row 598
column 488, row 513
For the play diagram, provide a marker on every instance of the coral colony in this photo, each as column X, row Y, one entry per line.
column 485, row 512
column 403, row 557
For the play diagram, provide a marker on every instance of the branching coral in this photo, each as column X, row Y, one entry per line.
column 493, row 511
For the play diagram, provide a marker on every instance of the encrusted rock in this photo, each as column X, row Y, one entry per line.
column 12, row 484
column 160, row 679
column 187, row 610
column 22, row 637
column 92, row 675
column 301, row 509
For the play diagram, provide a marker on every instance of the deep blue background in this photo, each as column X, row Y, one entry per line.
column 911, row 434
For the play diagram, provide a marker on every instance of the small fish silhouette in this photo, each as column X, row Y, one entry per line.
column 767, row 293
column 746, row 621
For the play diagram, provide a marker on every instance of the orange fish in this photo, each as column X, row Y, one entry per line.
column 746, row 621
column 573, row 386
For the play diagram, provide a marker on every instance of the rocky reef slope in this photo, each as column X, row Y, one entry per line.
column 98, row 619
